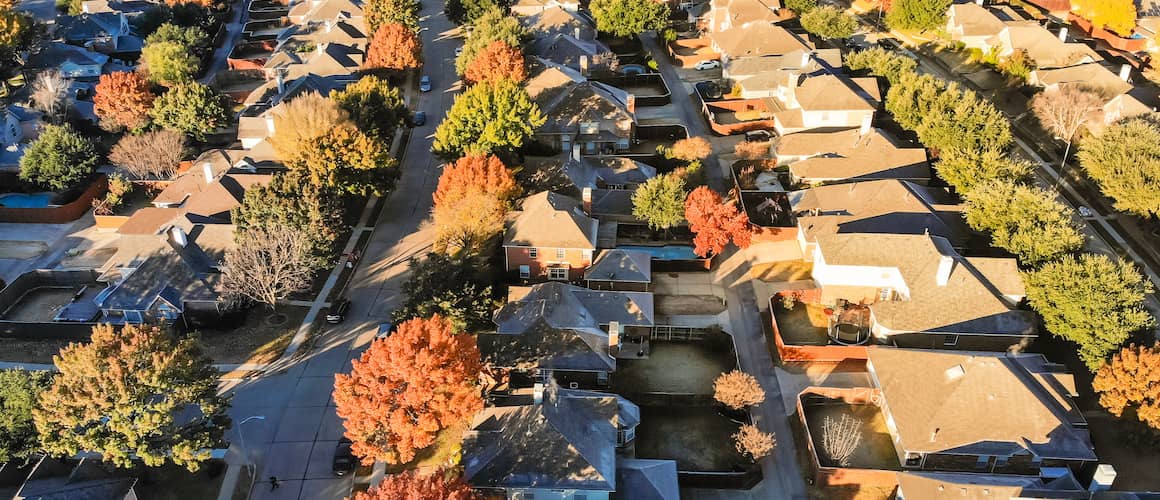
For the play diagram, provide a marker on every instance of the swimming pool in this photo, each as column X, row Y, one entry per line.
column 21, row 200
column 667, row 252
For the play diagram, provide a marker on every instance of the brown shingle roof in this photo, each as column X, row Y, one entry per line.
column 550, row 220
column 975, row 20
column 758, row 40
column 831, row 93
column 882, row 206
column 847, row 154
column 149, row 220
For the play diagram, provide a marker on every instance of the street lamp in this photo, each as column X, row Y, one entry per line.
column 246, row 451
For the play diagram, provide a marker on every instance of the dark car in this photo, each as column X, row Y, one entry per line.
column 344, row 459
column 419, row 119
column 758, row 136
column 337, row 311
column 384, row 330
column 425, row 84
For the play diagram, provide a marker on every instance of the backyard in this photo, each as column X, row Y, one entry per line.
column 875, row 449
column 805, row 324
column 676, row 367
column 695, row 436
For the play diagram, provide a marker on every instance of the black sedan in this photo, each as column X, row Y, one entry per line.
column 344, row 459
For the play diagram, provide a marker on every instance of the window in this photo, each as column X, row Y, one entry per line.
column 625, row 436
column 525, row 272
column 913, row 459
column 533, row 252
column 950, row 340
column 560, row 254
column 558, row 273
column 589, row 128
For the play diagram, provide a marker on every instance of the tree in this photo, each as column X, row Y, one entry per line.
column 488, row 118
column 267, row 265
column 497, row 61
column 1115, row 15
column 169, row 63
column 470, row 224
column 660, row 202
column 15, row 32
column 746, row 150
column 492, row 26
column 19, row 390
column 1065, row 110
column 301, row 121
column 58, row 158
column 626, row 18
column 881, row 62
column 919, row 15
column 417, row 485
column 394, row 47
column 348, row 161
column 475, row 174
column 964, row 169
column 1124, row 161
column 840, row 438
column 381, row 12
column 800, row 7
column 750, row 441
column 738, row 390
column 128, row 395
column 829, row 23
column 406, row 388
column 1027, row 221
column 469, row 11
column 123, row 100
column 155, row 154
column 315, row 213
column 452, row 287
column 944, row 116
column 192, row 38
column 374, row 106
column 192, row 108
column 1131, row 381
column 1092, row 301
column 690, row 149
column 715, row 222
column 50, row 94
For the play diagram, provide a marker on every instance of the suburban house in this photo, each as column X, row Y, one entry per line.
column 758, row 77
column 295, row 59
column 104, row 32
column 558, row 20
column 960, row 485
column 921, row 293
column 598, row 118
column 619, row 269
column 314, row 10
column 547, row 80
column 826, row 101
column 1121, row 99
column 576, row 439
column 1044, row 49
column 256, row 121
column 181, row 283
column 849, row 155
column 580, row 54
column 21, row 125
column 756, row 40
column 124, row 7
column 607, row 172
column 72, row 61
column 725, row 15
column 979, row 412
column 550, row 238
column 973, row 25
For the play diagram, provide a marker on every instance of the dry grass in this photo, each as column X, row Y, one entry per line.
column 30, row 351
column 445, row 452
column 261, row 339
column 850, row 492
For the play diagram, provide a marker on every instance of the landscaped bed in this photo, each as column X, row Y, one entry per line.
column 696, row 437
column 261, row 338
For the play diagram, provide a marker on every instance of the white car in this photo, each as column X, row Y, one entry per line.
column 458, row 50
column 707, row 64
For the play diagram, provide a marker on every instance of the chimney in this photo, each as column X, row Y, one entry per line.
column 946, row 264
column 613, row 338
column 1102, row 480
column 270, row 124
column 280, row 77
column 538, row 394
column 207, row 169
column 320, row 48
column 979, row 3
column 867, row 122
column 1125, row 72
column 576, row 32
column 630, row 103
column 328, row 25
column 805, row 59
column 584, row 65
column 586, row 197
column 1063, row 34
column 180, row 238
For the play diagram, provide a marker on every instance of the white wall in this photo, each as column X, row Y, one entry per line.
column 862, row 276
column 818, row 119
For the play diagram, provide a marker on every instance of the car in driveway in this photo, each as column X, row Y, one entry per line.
column 458, row 50
column 707, row 64
column 337, row 311
column 344, row 459
column 758, row 136
column 425, row 84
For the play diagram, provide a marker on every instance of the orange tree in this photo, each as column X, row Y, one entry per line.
column 714, row 222
column 497, row 61
column 1131, row 380
column 475, row 173
column 408, row 387
column 471, row 200
column 123, row 100
column 394, row 47
column 415, row 485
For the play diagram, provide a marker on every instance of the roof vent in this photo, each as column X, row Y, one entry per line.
column 954, row 373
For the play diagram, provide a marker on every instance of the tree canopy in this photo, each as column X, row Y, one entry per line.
column 169, row 63
column 492, row 26
column 1064, row 110
column 302, row 121
column 471, row 200
column 800, row 7
column 660, row 202
column 380, row 12
column 497, row 61
column 155, row 154
column 737, row 390
column 1027, row 221
column 1130, row 383
column 374, row 105
column 268, row 264
column 488, row 118
column 881, row 62
column 1114, row 15
column 475, row 173
column 629, row 17
column 1092, row 301
column 59, row 158
column 123, row 100
column 469, row 11
column 1124, row 161
column 419, row 485
column 19, row 390
column 714, row 222
column 291, row 202
column 450, row 286
column 349, row 161
column 192, row 108
column 407, row 387
column 829, row 23
column 394, row 47
column 964, row 169
column 945, row 116
column 917, row 14
column 122, row 395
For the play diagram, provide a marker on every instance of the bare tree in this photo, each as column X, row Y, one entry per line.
column 1064, row 111
column 749, row 440
column 268, row 264
column 737, row 390
column 151, row 154
column 840, row 438
column 50, row 94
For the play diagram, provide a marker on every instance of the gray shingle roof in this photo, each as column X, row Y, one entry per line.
column 621, row 265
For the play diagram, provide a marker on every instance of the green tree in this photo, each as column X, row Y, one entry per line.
column 348, row 161
column 493, row 25
column 1125, row 162
column 913, row 96
column 59, row 158
column 452, row 287
column 374, row 105
column 192, row 38
column 169, row 63
column 128, row 395
column 1092, row 301
column 468, row 11
column 660, row 202
column 290, row 201
column 881, row 62
column 965, row 169
column 18, row 392
column 193, row 109
column 16, row 32
column 1027, row 221
column 800, row 7
column 829, row 23
column 380, row 12
column 489, row 117
column 629, row 17
column 919, row 15
column 945, row 116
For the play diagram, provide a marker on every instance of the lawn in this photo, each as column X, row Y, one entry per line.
column 261, row 338
column 805, row 324
column 695, row 436
column 445, row 452
column 676, row 367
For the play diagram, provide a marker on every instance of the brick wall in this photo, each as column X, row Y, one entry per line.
column 576, row 259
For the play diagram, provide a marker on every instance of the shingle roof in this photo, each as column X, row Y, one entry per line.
column 847, row 154
column 621, row 265
column 758, row 39
column 550, row 220
column 85, row 27
column 832, row 93
column 965, row 486
column 1044, row 48
column 555, row 20
column 562, row 305
column 815, row 62
column 978, row 404
column 54, row 54
column 588, row 170
column 1091, row 75
column 749, row 11
column 563, row 48
column 314, row 10
column 543, row 346
column 164, row 275
column 885, row 206
column 975, row 20
column 644, row 479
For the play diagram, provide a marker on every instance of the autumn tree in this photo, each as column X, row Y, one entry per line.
column 750, row 441
column 123, row 100
column 689, row 149
column 494, row 25
column 660, row 202
column 473, row 174
column 375, row 107
column 394, row 47
column 192, row 108
column 349, row 161
column 1114, row 15
column 1064, row 111
column 418, row 485
column 267, row 265
column 16, row 32
column 1131, row 382
column 497, row 61
column 471, row 200
column 919, row 15
column 58, row 158
column 315, row 213
column 488, row 118
column 1024, row 220
column 1124, row 160
column 881, row 62
column 50, row 95
column 829, row 23
column 746, row 150
column 453, row 287
column 626, row 18
column 154, row 155
column 1092, row 301
column 19, row 390
column 382, row 12
column 965, row 169
column 714, row 222
column 127, row 395
column 407, row 387
column 302, row 121
column 738, row 390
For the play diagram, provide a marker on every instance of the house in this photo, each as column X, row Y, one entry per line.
column 85, row 478
column 70, row 60
column 558, row 20
column 617, row 269
column 607, row 172
column 979, row 412
column 978, row 486
column 128, row 7
column 756, row 40
column 547, row 80
column 921, row 293
column 1042, row 48
column 725, row 15
column 296, row 58
column 104, row 32
column 973, row 25
column 574, row 436
column 646, row 479
column 550, row 238
column 256, row 121
column 566, row 49
column 1121, row 99
column 755, row 76
column 827, row 101
column 21, row 125
column 593, row 116
column 576, row 356
column 849, row 155
column 562, row 305
column 314, row 10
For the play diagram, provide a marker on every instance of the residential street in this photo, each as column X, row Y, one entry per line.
column 297, row 439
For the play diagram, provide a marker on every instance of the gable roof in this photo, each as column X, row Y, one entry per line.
column 587, row 101
column 833, row 93
column 887, row 206
column 563, row 48
column 588, row 170
column 84, row 27
column 849, row 155
column 815, row 62
column 84, row 479
column 760, row 39
column 163, row 276
column 56, row 54
column 562, row 305
column 551, row 220
column 979, row 403
column 345, row 31
column 1093, row 76
column 556, row 20
column 221, row 196
column 544, row 346
column 967, row 486
column 314, row 10
column 546, row 79
column 975, row 20
column 621, row 265
column 646, row 479
column 1044, row 48
column 324, row 59
column 742, row 12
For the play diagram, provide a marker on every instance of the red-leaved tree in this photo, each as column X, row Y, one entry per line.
column 394, row 46
column 714, row 222
column 408, row 387
column 496, row 62
column 123, row 100
column 415, row 485
column 475, row 174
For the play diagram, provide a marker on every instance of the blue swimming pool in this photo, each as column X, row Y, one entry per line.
column 667, row 252
column 21, row 200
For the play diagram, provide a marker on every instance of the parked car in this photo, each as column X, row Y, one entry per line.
column 384, row 330
column 758, row 136
column 458, row 50
column 344, row 459
column 707, row 64
column 337, row 311
column 419, row 119
column 425, row 84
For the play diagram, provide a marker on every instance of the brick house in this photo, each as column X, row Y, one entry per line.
column 550, row 238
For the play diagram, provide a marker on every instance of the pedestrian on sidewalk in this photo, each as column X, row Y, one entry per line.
column 274, row 483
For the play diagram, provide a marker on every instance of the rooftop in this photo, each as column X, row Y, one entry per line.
column 621, row 265
column 886, row 206
column 551, row 220
column 759, row 39
column 849, row 155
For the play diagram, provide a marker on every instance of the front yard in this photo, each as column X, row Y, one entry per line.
column 261, row 338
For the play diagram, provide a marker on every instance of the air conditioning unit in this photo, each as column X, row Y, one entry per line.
column 573, row 385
